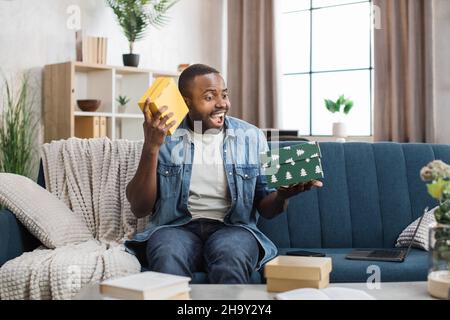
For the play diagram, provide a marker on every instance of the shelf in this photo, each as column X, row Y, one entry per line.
column 65, row 83
column 129, row 116
column 92, row 114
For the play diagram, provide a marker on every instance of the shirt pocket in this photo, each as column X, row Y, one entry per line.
column 246, row 181
column 169, row 176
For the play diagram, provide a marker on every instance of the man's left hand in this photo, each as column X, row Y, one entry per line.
column 288, row 192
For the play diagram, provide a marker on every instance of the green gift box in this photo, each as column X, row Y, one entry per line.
column 292, row 165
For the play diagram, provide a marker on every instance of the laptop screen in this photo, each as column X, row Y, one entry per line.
column 415, row 232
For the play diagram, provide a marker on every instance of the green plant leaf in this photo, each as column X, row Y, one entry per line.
column 348, row 106
column 135, row 16
column 436, row 189
column 18, row 130
column 330, row 105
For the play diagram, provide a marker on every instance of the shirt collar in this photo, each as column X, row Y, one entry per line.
column 229, row 129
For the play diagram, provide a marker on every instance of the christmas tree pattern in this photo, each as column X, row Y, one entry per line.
column 287, row 148
column 303, row 173
column 318, row 170
column 274, row 179
column 275, row 157
column 300, row 152
column 288, row 176
column 290, row 160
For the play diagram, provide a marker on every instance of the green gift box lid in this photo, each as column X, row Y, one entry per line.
column 292, row 165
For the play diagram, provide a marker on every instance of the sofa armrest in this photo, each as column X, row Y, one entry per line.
column 14, row 238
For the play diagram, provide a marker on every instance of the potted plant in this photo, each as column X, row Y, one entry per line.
column 122, row 103
column 135, row 16
column 18, row 131
column 339, row 127
column 437, row 176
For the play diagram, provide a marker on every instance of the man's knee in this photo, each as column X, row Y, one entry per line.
column 240, row 248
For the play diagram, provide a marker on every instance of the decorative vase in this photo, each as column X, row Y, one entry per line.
column 439, row 261
column 340, row 131
column 130, row 60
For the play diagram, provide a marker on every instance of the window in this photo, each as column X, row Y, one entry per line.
column 325, row 51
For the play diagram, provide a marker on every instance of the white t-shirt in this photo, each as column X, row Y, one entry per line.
column 208, row 193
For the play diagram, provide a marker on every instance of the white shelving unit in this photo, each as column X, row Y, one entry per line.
column 68, row 82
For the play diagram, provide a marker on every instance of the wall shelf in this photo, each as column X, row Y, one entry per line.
column 65, row 83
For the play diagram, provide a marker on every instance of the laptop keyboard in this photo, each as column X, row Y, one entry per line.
column 385, row 254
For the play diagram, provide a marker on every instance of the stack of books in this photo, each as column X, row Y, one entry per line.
column 286, row 273
column 91, row 49
column 147, row 286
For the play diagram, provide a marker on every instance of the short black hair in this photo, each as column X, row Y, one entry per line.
column 190, row 73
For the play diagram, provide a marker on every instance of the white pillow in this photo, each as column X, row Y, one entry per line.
column 42, row 213
column 421, row 240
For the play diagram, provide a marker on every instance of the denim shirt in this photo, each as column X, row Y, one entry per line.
column 243, row 143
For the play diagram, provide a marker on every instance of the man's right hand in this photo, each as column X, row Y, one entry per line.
column 155, row 127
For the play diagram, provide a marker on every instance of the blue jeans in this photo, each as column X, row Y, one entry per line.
column 227, row 254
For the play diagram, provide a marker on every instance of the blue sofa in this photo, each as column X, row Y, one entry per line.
column 371, row 193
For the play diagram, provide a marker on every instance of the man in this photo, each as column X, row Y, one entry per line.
column 202, row 187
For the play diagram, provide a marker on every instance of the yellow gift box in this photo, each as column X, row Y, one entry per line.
column 164, row 92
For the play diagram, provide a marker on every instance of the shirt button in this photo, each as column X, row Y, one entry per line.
column 230, row 173
column 167, row 172
column 224, row 150
column 234, row 199
column 246, row 175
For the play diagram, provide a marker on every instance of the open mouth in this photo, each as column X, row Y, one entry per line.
column 218, row 118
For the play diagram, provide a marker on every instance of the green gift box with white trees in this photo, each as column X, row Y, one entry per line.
column 292, row 165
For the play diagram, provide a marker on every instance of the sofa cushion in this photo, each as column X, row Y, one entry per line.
column 421, row 239
column 414, row 268
column 44, row 215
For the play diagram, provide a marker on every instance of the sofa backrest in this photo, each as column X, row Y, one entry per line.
column 371, row 193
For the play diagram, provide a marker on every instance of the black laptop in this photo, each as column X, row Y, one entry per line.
column 392, row 255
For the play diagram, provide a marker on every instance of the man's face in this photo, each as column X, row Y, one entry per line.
column 209, row 101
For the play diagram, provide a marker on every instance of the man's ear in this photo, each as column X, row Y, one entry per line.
column 188, row 102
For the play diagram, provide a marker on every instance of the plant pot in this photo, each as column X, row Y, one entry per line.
column 121, row 109
column 340, row 131
column 439, row 261
column 130, row 60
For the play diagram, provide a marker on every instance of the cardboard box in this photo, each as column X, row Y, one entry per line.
column 298, row 268
column 281, row 285
column 292, row 165
column 286, row 273
column 164, row 92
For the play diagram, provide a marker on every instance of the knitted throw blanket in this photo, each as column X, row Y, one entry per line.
column 90, row 176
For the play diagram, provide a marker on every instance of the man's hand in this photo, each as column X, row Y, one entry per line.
column 288, row 192
column 155, row 127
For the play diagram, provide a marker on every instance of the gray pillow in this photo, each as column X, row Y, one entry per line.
column 421, row 240
column 42, row 213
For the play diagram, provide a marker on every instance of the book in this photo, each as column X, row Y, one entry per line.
column 164, row 92
column 87, row 127
column 103, row 127
column 334, row 293
column 146, row 286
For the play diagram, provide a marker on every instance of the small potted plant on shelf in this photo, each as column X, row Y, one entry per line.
column 122, row 103
column 135, row 16
column 339, row 127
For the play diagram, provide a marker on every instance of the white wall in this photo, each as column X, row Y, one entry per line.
column 34, row 33
column 442, row 69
